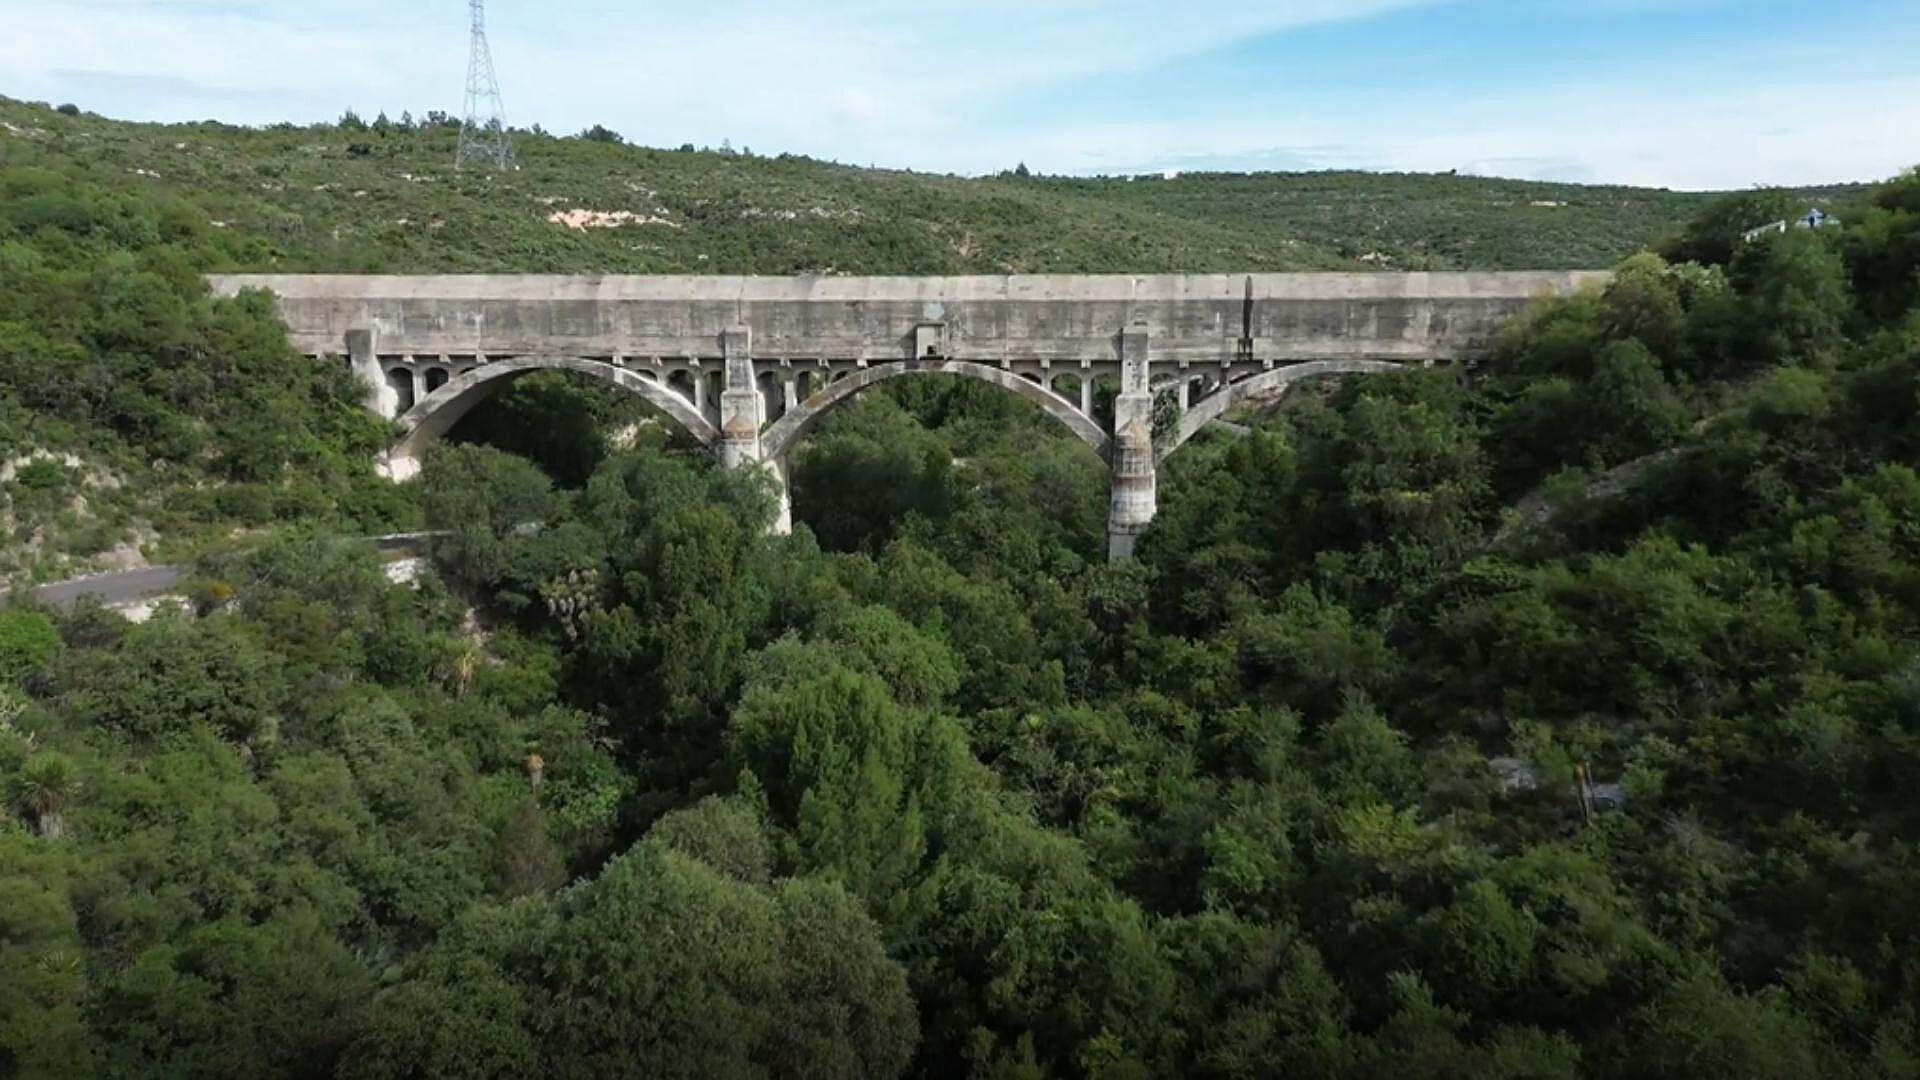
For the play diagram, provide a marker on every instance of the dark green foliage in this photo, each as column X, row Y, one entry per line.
column 28, row 641
column 172, row 674
column 1714, row 233
column 168, row 406
column 662, row 966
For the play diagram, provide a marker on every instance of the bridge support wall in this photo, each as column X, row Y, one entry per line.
column 1134, row 496
column 364, row 355
column 743, row 416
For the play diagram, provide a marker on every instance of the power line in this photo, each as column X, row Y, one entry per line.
column 484, row 141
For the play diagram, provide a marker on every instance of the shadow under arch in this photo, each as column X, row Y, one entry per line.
column 430, row 420
column 1215, row 405
column 791, row 428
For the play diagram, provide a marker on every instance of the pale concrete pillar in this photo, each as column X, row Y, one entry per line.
column 1184, row 386
column 790, row 394
column 742, row 411
column 362, row 353
column 1135, row 499
column 783, row 517
column 1086, row 390
column 699, row 380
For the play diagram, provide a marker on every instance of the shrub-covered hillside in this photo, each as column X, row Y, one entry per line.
column 382, row 196
column 140, row 419
column 135, row 410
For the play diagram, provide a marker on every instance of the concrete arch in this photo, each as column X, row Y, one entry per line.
column 781, row 437
column 1215, row 405
column 429, row 420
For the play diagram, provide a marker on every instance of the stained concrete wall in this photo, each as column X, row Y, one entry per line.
column 1190, row 318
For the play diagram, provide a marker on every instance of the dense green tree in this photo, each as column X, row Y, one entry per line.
column 29, row 640
column 172, row 674
column 1800, row 300
column 1715, row 233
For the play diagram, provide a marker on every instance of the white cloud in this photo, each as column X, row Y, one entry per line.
column 1782, row 132
column 943, row 85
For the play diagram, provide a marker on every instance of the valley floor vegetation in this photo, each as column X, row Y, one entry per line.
column 629, row 787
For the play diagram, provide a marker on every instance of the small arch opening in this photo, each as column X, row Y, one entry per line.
column 401, row 381
column 773, row 397
column 681, row 382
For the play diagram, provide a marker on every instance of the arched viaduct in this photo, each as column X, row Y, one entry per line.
column 747, row 366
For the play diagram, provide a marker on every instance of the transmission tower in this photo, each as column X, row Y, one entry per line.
column 483, row 129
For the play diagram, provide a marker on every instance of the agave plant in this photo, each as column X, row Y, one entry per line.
column 44, row 787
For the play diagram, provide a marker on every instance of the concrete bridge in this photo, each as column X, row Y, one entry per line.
column 747, row 366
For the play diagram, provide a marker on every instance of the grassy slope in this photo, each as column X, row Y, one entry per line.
column 401, row 208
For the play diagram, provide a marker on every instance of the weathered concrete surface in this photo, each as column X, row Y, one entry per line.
column 747, row 365
column 1191, row 318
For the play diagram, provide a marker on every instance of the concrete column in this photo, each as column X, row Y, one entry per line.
column 419, row 380
column 1135, row 500
column 380, row 400
column 790, row 394
column 742, row 411
column 783, row 518
column 1086, row 390
column 699, row 380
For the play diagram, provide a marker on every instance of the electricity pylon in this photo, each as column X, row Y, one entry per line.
column 484, row 142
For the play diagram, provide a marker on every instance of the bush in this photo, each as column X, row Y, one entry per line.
column 41, row 474
column 29, row 640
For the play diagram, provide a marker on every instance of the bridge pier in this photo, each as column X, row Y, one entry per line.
column 743, row 414
column 362, row 354
column 1135, row 498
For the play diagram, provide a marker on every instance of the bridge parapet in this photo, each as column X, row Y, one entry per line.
column 747, row 364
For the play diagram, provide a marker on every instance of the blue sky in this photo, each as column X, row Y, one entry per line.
column 1675, row 93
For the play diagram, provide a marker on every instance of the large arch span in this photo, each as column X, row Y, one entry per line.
column 804, row 417
column 430, row 420
column 1215, row 405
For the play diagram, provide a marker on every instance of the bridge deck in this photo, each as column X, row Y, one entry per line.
column 1072, row 319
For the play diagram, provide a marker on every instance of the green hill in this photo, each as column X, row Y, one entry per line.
column 114, row 360
column 385, row 198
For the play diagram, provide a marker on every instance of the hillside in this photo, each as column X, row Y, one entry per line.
column 105, row 223
column 385, row 198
